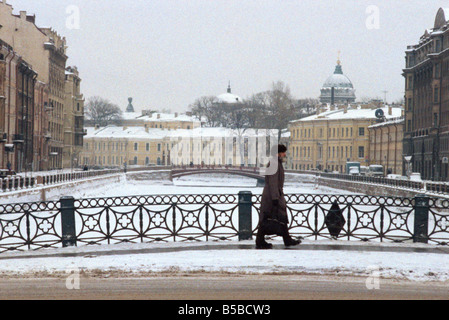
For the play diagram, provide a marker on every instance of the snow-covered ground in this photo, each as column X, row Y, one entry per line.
column 396, row 265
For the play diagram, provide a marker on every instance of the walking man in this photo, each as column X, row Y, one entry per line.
column 273, row 219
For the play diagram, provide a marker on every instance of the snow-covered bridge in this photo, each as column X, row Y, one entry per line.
column 251, row 172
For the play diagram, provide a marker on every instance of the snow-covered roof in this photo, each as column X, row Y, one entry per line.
column 220, row 132
column 229, row 98
column 162, row 117
column 131, row 115
column 352, row 113
column 156, row 133
column 121, row 133
column 387, row 123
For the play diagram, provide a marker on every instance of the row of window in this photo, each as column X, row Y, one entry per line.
column 116, row 161
column 332, row 152
column 332, row 133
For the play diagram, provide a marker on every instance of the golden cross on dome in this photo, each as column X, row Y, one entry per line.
column 338, row 61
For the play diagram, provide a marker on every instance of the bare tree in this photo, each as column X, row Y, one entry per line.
column 205, row 107
column 281, row 107
column 102, row 111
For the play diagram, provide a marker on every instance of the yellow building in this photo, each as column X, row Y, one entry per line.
column 114, row 146
column 334, row 136
column 386, row 145
column 73, row 119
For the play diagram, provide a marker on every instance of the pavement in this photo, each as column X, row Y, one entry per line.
column 147, row 248
column 112, row 283
column 218, row 287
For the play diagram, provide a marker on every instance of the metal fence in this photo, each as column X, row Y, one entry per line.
column 429, row 186
column 168, row 218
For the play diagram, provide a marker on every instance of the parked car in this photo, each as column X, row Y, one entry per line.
column 364, row 170
column 375, row 170
column 354, row 171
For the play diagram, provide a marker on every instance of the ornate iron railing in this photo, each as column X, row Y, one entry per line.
column 167, row 218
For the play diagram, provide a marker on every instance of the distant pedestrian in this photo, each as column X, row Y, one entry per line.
column 9, row 166
column 273, row 219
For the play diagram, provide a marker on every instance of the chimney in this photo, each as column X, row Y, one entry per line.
column 23, row 15
column 176, row 114
column 390, row 110
column 318, row 110
column 158, row 115
column 124, row 128
column 345, row 108
column 147, row 129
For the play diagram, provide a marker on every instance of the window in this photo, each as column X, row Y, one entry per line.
column 159, row 147
column 361, row 132
column 361, row 152
column 436, row 95
column 148, row 147
column 136, row 146
column 135, row 160
column 437, row 45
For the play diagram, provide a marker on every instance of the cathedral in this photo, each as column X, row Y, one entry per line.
column 338, row 89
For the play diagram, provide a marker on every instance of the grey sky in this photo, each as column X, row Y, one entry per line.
column 167, row 53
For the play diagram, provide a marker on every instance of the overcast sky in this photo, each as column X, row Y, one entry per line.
column 167, row 53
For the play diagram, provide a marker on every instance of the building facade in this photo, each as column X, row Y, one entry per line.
column 386, row 141
column 334, row 136
column 21, row 96
column 45, row 50
column 73, row 119
column 426, row 136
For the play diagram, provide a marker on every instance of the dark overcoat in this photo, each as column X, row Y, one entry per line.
column 274, row 190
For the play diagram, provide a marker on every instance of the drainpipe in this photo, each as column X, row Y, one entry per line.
column 9, row 88
column 9, row 101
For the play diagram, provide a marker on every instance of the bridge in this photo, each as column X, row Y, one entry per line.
column 250, row 172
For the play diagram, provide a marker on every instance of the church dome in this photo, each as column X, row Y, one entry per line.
column 344, row 92
column 338, row 80
column 229, row 97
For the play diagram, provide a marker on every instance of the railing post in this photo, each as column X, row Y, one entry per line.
column 245, row 217
column 420, row 232
column 68, row 221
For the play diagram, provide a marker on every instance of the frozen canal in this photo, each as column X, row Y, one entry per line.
column 203, row 184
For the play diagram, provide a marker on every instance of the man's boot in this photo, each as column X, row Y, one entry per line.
column 288, row 240
column 260, row 240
